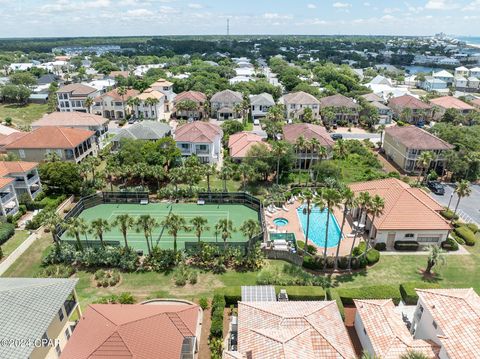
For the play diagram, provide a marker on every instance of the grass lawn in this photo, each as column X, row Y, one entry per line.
column 9, row 246
column 23, row 115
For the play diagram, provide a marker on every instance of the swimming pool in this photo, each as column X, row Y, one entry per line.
column 280, row 222
column 318, row 224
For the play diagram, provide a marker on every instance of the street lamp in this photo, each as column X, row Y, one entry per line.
column 450, row 201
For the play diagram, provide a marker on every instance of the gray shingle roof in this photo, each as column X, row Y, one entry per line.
column 262, row 99
column 227, row 96
column 145, row 130
column 27, row 307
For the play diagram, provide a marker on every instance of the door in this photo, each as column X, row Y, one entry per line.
column 391, row 240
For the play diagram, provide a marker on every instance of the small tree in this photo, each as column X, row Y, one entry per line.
column 199, row 225
column 76, row 227
column 250, row 228
column 414, row 355
column 224, row 227
column 98, row 227
column 436, row 256
column 147, row 224
column 124, row 222
column 174, row 224
column 51, row 220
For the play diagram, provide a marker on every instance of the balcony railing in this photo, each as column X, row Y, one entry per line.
column 69, row 306
column 202, row 152
column 6, row 196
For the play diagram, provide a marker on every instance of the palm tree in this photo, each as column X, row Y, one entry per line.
column 380, row 130
column 340, row 149
column 209, row 170
column 299, row 148
column 76, row 227
column 330, row 198
column 225, row 174
column 174, row 224
column 348, row 198
column 134, row 102
column 151, row 102
column 237, row 108
column 307, row 197
column 51, row 220
column 250, row 228
column 362, row 201
column 157, row 172
column 98, row 227
column 199, row 225
column 375, row 208
column 314, row 146
column 436, row 256
column 423, row 162
column 147, row 224
column 176, row 176
column 124, row 222
column 245, row 170
column 413, row 355
column 279, row 150
column 89, row 103
column 224, row 227
column 463, row 189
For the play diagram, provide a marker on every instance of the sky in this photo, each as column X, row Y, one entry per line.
column 59, row 18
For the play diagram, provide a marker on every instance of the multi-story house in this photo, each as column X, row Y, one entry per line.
column 165, row 87
column 196, row 112
column 260, row 104
column 72, row 97
column 144, row 131
column 223, row 104
column 112, row 105
column 344, row 108
column 151, row 105
column 69, row 144
column 403, row 145
column 448, row 317
column 39, row 312
column 23, row 178
column 199, row 138
column 385, row 112
column 434, row 84
column 462, row 71
column 442, row 104
column 444, row 76
column 475, row 72
column 296, row 102
column 410, row 109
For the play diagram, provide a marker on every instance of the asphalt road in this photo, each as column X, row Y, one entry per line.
column 469, row 208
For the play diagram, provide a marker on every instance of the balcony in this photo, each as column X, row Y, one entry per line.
column 202, row 152
column 69, row 305
column 6, row 196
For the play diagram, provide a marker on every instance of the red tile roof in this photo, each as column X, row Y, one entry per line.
column 284, row 330
column 195, row 96
column 240, row 143
column 387, row 332
column 67, row 119
column 406, row 208
column 457, row 314
column 5, row 181
column 7, row 167
column 51, row 137
column 10, row 138
column 476, row 102
column 407, row 101
column 77, row 89
column 198, row 132
column 293, row 131
column 132, row 331
column 447, row 102
column 300, row 98
column 416, row 138
column 114, row 94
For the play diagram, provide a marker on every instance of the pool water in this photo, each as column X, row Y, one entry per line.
column 280, row 222
column 318, row 224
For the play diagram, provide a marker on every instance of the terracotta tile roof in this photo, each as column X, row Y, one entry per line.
column 191, row 95
column 114, row 94
column 457, row 314
column 77, row 89
column 4, row 141
column 227, row 96
column 67, row 119
column 293, row 131
column 5, row 181
column 300, row 98
column 162, row 83
column 338, row 101
column 416, row 138
column 114, row 74
column 476, row 102
column 388, row 333
column 291, row 330
column 198, row 131
column 150, row 93
column 132, row 331
column 405, row 208
column 51, row 137
column 407, row 101
column 451, row 102
column 371, row 97
column 240, row 143
column 7, row 167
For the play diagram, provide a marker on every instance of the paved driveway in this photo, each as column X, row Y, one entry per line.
column 469, row 208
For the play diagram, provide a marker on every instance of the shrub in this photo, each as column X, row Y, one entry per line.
column 107, row 278
column 360, row 249
column 466, row 234
column 381, row 246
column 218, row 305
column 373, row 256
column 408, row 293
column 183, row 274
column 7, row 230
column 406, row 245
column 57, row 271
column 203, row 302
column 473, row 227
column 343, row 262
column 448, row 214
column 161, row 260
column 1, row 253
column 347, row 295
column 232, row 295
column 457, row 238
column 450, row 244
column 192, row 279
column 303, row 293
column 313, row 263
column 310, row 249
column 123, row 298
column 332, row 294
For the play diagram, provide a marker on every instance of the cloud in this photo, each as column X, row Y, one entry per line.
column 274, row 15
column 311, row 6
column 139, row 13
column 367, row 4
column 391, row 10
column 440, row 5
column 341, row 5
column 473, row 6
column 71, row 6
column 195, row 6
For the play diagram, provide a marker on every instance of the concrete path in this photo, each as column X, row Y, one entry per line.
column 7, row 262
column 461, row 251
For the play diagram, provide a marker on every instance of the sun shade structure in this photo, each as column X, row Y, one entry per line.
column 258, row 293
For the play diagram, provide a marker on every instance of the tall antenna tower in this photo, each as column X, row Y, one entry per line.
column 228, row 27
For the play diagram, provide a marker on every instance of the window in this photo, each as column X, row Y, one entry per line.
column 67, row 333
column 60, row 314
column 409, row 235
column 203, row 147
column 58, row 350
column 21, row 153
column 185, row 146
column 434, row 324
column 428, row 239
column 421, row 308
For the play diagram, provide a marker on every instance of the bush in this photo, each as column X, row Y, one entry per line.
column 406, row 245
column 473, row 227
column 313, row 263
column 218, row 305
column 123, row 298
column 466, row 234
column 360, row 249
column 373, row 256
column 203, row 302
column 381, row 246
column 7, row 230
column 310, row 249
column 450, row 244
column 347, row 295
column 457, row 238
column 332, row 294
column 448, row 214
column 183, row 274
column 161, row 260
column 107, row 278
column 57, row 271
column 303, row 293
column 408, row 293
column 232, row 295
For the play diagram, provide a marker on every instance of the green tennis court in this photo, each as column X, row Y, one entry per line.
column 212, row 212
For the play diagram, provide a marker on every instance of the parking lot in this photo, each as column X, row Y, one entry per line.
column 469, row 208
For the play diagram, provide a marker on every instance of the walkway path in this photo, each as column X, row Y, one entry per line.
column 7, row 262
column 461, row 251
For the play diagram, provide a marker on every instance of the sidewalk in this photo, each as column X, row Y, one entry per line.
column 461, row 252
column 18, row 252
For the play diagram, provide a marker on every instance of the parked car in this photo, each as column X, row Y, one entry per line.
column 336, row 136
column 256, row 122
column 436, row 187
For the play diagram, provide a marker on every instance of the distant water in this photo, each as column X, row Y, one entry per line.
column 475, row 40
column 413, row 70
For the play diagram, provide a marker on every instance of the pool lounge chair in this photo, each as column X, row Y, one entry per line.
column 285, row 208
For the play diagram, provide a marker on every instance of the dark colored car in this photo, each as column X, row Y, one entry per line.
column 336, row 136
column 436, row 187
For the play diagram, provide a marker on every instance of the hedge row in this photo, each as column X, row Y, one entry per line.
column 347, row 295
column 332, row 294
column 218, row 305
column 407, row 290
column 7, row 230
column 466, row 234
column 448, row 214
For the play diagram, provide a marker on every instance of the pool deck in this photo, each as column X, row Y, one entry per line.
column 294, row 226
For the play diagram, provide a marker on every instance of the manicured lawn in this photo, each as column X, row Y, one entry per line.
column 23, row 115
column 9, row 246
